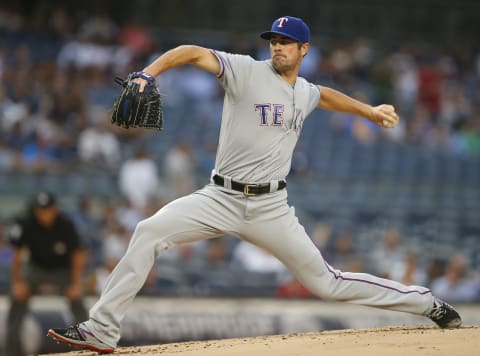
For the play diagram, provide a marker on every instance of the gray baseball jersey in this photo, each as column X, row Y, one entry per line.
column 262, row 118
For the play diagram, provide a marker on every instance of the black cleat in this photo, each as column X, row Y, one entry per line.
column 444, row 315
column 79, row 336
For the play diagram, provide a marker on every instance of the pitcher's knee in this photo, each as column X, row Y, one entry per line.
column 141, row 228
column 320, row 287
column 153, row 233
column 144, row 230
column 318, row 279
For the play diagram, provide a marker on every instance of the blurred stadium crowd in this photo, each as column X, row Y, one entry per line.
column 402, row 203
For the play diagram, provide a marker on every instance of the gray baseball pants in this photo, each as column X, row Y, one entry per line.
column 266, row 221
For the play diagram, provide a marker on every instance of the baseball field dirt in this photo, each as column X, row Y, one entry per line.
column 391, row 341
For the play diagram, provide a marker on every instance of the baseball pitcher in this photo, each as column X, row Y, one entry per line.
column 265, row 106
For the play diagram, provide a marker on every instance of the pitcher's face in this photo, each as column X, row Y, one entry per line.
column 287, row 54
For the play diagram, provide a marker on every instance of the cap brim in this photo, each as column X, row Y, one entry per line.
column 268, row 34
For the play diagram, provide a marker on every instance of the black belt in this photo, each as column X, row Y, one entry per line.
column 247, row 188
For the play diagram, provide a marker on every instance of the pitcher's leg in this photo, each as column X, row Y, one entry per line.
column 286, row 239
column 178, row 222
column 362, row 288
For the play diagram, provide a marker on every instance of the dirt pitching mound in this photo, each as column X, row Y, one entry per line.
column 391, row 341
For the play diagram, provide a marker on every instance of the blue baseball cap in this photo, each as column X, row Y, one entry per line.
column 288, row 26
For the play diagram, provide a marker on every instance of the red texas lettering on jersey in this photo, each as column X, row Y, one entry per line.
column 272, row 113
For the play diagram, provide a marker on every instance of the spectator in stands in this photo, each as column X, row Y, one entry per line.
column 56, row 261
column 206, row 156
column 216, row 254
column 138, row 179
column 89, row 227
column 60, row 22
column 6, row 255
column 9, row 159
column 322, row 238
column 98, row 145
column 345, row 256
column 91, row 47
column 301, row 166
column 387, row 253
column 409, row 271
column 459, row 284
column 180, row 169
column 214, row 270
column 254, row 259
column 405, row 81
column 435, row 269
column 12, row 111
column 430, row 83
column 3, row 59
column 40, row 155
column 135, row 37
column 186, row 256
column 128, row 215
column 114, row 245
column 16, row 138
column 197, row 85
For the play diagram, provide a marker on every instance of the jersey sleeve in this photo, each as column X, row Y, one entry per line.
column 234, row 72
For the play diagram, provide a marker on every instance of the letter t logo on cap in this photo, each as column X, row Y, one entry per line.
column 281, row 21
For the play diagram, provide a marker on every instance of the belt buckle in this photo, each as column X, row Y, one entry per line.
column 246, row 189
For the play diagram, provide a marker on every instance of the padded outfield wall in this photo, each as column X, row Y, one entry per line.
column 166, row 320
